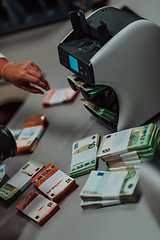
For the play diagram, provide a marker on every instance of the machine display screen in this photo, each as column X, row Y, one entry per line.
column 73, row 63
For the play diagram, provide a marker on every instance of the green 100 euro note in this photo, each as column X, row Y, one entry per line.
column 102, row 112
column 103, row 185
column 90, row 89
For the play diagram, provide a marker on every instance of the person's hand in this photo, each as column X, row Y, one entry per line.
column 27, row 76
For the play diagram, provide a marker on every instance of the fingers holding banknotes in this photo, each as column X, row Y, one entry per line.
column 26, row 76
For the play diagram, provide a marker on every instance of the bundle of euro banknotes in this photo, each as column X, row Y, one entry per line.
column 84, row 155
column 28, row 137
column 130, row 148
column 54, row 183
column 104, row 188
column 20, row 181
column 37, row 207
column 3, row 174
column 58, row 96
column 101, row 100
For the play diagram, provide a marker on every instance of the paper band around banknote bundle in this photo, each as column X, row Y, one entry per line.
column 130, row 147
column 20, row 181
column 102, row 185
column 84, row 155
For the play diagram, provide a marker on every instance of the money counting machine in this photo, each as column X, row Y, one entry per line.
column 121, row 50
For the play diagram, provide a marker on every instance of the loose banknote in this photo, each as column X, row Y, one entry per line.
column 37, row 207
column 115, row 187
column 84, row 155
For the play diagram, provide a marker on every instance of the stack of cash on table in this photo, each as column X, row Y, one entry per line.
column 37, row 207
column 3, row 174
column 104, row 188
column 128, row 149
column 54, row 183
column 20, row 181
column 84, row 155
column 28, row 137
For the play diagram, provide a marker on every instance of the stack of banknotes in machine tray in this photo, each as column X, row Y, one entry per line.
column 87, row 90
column 130, row 148
column 100, row 100
column 84, row 155
column 104, row 188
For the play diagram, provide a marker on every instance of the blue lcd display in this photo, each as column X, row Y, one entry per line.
column 73, row 63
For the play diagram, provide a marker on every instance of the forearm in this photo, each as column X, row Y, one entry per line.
column 27, row 75
column 3, row 63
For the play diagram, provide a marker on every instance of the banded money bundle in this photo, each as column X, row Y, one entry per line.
column 54, row 183
column 3, row 174
column 104, row 188
column 20, row 181
column 84, row 155
column 37, row 207
column 28, row 138
column 130, row 148
column 58, row 96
